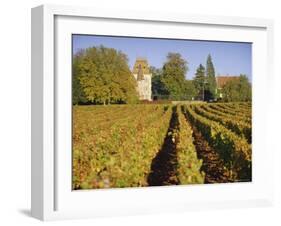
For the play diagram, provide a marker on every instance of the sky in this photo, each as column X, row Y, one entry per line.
column 229, row 58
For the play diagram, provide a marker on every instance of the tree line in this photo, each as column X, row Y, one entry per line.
column 170, row 82
column 102, row 75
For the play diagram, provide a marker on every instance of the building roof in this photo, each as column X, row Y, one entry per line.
column 222, row 80
column 141, row 64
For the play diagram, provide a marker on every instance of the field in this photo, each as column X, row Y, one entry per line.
column 161, row 144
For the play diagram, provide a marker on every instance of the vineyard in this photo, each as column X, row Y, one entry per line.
column 161, row 144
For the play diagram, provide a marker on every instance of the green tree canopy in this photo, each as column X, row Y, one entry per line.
column 158, row 88
column 190, row 91
column 78, row 95
column 174, row 70
column 237, row 90
column 105, row 77
column 199, row 80
column 210, row 88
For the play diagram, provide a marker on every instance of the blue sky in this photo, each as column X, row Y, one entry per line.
column 229, row 58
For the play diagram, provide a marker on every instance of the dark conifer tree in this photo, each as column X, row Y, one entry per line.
column 210, row 79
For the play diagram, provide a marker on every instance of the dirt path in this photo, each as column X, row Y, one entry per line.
column 212, row 165
column 164, row 165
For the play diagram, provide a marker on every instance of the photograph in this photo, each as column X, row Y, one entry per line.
column 160, row 112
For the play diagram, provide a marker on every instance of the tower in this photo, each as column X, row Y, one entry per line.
column 143, row 76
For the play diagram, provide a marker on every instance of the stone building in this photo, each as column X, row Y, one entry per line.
column 143, row 76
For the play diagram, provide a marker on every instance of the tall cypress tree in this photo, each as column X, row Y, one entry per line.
column 210, row 79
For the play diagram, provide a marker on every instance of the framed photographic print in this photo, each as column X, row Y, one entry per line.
column 137, row 112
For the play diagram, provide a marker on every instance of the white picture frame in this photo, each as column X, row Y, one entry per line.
column 52, row 197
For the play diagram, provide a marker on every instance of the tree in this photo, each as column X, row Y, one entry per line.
column 158, row 88
column 199, row 81
column 245, row 88
column 174, row 70
column 105, row 76
column 78, row 95
column 189, row 90
column 210, row 89
column 237, row 90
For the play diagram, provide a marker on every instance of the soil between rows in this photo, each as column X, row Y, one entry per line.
column 213, row 165
column 164, row 165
